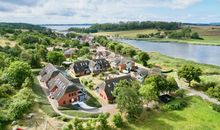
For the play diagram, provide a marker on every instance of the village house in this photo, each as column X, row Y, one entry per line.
column 106, row 88
column 140, row 74
column 48, row 72
column 98, row 65
column 101, row 52
column 63, row 89
column 80, row 68
column 70, row 52
column 123, row 64
column 86, row 39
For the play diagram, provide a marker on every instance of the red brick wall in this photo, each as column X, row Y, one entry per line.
column 121, row 67
column 103, row 95
column 68, row 98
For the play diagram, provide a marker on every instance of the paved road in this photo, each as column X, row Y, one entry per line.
column 191, row 91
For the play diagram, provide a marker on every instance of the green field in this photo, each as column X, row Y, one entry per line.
column 197, row 116
column 127, row 34
column 210, row 35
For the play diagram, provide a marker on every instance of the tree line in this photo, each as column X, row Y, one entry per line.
column 122, row 26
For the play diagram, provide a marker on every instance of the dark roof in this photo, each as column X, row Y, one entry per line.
column 103, row 63
column 70, row 51
column 122, row 61
column 64, row 85
column 109, row 85
column 80, row 66
column 48, row 72
column 142, row 72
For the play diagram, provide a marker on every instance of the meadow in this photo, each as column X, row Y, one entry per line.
column 210, row 35
column 197, row 116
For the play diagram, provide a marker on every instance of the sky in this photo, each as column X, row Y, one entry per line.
column 103, row 11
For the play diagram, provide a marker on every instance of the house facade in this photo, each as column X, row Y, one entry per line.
column 106, row 88
column 99, row 65
column 80, row 68
column 123, row 64
column 64, row 90
column 48, row 72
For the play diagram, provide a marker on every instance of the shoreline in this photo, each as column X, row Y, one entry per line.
column 170, row 62
column 173, row 40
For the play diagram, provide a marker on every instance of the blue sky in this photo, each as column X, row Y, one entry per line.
column 102, row 11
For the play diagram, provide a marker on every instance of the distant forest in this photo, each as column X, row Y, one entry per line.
column 123, row 26
column 20, row 26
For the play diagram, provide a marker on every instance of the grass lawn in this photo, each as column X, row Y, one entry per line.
column 41, row 99
column 77, row 113
column 211, row 78
column 175, row 63
column 197, row 116
column 127, row 34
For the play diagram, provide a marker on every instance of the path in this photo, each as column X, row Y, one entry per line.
column 184, row 86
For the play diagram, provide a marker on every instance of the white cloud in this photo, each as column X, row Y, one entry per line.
column 86, row 11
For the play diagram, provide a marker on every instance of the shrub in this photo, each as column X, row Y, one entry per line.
column 216, row 107
column 118, row 121
column 180, row 93
column 174, row 105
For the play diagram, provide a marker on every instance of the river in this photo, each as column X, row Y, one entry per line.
column 198, row 53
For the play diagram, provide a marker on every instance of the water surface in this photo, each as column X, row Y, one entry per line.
column 199, row 53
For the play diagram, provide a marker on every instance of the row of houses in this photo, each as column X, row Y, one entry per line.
column 62, row 88
column 85, row 67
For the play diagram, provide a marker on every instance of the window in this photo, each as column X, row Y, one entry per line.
column 64, row 102
column 72, row 94
column 70, row 100
column 69, row 95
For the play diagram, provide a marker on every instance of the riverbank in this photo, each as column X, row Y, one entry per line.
column 210, row 35
column 210, row 42
column 167, row 62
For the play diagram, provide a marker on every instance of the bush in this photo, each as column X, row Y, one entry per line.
column 180, row 93
column 204, row 86
column 118, row 121
column 174, row 105
column 214, row 92
column 216, row 107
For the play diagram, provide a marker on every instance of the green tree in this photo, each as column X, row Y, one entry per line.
column 195, row 35
column 159, row 82
column 190, row 73
column 6, row 90
column 149, row 92
column 127, row 99
column 83, row 51
column 41, row 51
column 118, row 121
column 143, row 57
column 172, row 85
column 55, row 57
column 17, row 72
column 21, row 103
column 102, row 118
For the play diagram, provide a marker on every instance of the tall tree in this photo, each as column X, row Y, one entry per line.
column 55, row 57
column 190, row 73
column 149, row 92
column 128, row 100
column 143, row 57
column 17, row 72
